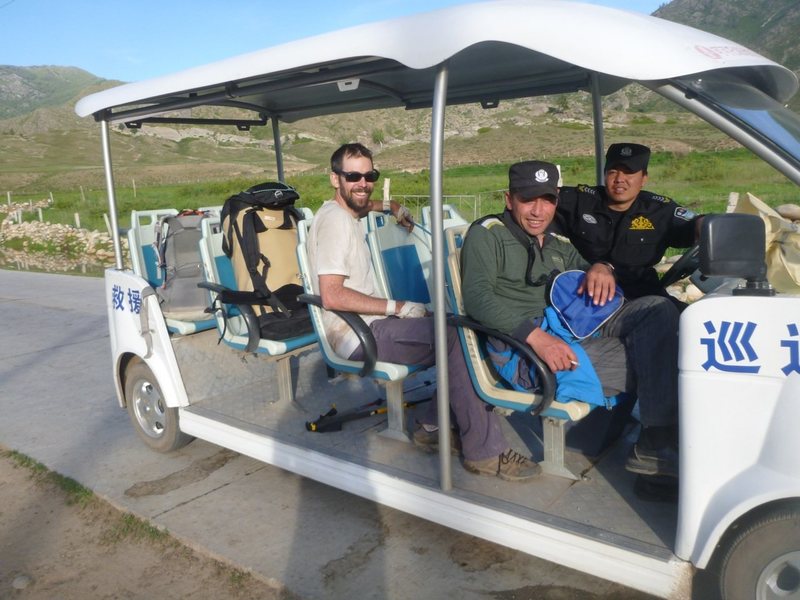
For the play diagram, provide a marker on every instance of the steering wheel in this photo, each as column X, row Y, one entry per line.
column 683, row 267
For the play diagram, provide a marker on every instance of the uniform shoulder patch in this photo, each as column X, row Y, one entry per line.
column 684, row 213
column 586, row 189
column 560, row 238
column 491, row 222
column 655, row 197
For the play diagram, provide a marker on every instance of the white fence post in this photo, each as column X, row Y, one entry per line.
column 733, row 199
column 77, row 221
column 39, row 210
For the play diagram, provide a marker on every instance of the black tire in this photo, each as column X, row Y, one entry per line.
column 154, row 422
column 762, row 561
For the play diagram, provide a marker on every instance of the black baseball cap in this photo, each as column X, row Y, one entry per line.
column 533, row 178
column 631, row 156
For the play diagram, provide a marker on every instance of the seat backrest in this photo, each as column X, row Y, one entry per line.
column 213, row 211
column 217, row 268
column 401, row 260
column 451, row 217
column 216, row 265
column 485, row 380
column 310, row 287
column 382, row 370
column 141, row 236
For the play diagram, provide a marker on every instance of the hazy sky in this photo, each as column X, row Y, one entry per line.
column 132, row 40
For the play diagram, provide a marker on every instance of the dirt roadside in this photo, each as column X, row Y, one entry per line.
column 57, row 540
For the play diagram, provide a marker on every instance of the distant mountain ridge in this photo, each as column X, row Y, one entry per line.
column 24, row 89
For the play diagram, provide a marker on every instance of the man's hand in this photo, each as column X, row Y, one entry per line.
column 402, row 214
column 599, row 283
column 555, row 352
column 411, row 310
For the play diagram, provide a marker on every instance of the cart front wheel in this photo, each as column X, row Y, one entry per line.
column 762, row 561
column 155, row 423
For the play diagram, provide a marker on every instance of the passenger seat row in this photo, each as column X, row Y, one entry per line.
column 403, row 269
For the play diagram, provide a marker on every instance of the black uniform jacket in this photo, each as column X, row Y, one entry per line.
column 632, row 241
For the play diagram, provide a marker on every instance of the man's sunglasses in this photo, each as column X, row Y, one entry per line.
column 355, row 176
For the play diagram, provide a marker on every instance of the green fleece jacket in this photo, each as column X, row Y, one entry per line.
column 493, row 264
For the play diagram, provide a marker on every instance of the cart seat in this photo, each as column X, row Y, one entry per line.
column 237, row 324
column 145, row 263
column 492, row 389
column 391, row 375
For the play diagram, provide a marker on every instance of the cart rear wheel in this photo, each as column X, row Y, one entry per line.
column 155, row 423
column 762, row 561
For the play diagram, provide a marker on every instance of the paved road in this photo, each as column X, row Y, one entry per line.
column 58, row 406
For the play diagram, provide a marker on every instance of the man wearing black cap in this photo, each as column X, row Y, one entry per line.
column 506, row 262
column 624, row 225
column 341, row 269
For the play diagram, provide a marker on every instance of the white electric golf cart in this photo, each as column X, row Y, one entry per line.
column 737, row 515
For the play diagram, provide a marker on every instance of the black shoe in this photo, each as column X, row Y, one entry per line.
column 662, row 462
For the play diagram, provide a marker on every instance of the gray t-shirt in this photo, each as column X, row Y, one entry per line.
column 337, row 246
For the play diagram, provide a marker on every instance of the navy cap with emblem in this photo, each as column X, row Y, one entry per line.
column 633, row 157
column 533, row 178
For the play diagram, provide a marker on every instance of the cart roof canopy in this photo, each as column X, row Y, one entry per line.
column 494, row 51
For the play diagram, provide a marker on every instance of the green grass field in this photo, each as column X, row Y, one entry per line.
column 698, row 180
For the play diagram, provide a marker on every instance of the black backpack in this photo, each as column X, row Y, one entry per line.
column 259, row 229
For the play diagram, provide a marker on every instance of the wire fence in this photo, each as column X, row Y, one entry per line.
column 469, row 206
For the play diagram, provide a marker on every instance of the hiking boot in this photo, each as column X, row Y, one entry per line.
column 510, row 466
column 653, row 461
column 428, row 441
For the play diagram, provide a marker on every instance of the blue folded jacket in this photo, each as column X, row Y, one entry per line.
column 572, row 318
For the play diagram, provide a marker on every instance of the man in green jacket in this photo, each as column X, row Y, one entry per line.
column 508, row 259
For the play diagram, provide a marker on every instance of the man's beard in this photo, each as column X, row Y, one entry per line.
column 361, row 211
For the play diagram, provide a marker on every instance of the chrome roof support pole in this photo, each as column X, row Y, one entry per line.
column 112, row 198
column 439, row 305
column 276, row 136
column 597, row 117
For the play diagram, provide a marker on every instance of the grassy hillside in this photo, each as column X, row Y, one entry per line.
column 701, row 181
column 46, row 147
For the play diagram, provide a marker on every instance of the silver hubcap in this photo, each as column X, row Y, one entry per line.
column 780, row 578
column 148, row 406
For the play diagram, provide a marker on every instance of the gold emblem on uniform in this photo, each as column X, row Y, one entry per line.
column 640, row 223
